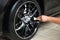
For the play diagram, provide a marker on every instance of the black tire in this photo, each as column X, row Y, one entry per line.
column 12, row 34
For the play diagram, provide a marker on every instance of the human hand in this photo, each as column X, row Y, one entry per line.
column 42, row 18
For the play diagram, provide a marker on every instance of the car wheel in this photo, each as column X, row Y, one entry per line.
column 21, row 23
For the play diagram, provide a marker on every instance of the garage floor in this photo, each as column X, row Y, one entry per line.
column 48, row 31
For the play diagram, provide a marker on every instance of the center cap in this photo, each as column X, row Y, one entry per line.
column 26, row 19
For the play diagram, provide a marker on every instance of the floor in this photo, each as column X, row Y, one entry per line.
column 48, row 31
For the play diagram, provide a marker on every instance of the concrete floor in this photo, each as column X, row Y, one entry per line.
column 48, row 31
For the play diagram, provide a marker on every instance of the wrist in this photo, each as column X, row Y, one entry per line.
column 49, row 19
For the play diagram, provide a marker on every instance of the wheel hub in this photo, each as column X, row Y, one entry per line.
column 26, row 19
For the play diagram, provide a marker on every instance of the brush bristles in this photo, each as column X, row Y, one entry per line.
column 35, row 18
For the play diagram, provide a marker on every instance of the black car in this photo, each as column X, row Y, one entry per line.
column 16, row 17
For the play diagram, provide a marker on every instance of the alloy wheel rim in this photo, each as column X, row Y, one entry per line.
column 24, row 24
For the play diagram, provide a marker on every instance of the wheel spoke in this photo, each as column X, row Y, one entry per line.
column 27, row 29
column 33, row 9
column 31, row 23
column 25, row 10
column 20, row 15
column 20, row 26
column 18, row 23
column 34, row 13
column 30, row 11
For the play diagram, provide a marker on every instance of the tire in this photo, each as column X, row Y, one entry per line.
column 15, row 33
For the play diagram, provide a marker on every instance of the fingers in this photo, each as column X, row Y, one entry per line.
column 42, row 18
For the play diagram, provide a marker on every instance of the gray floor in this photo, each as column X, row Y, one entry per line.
column 48, row 31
